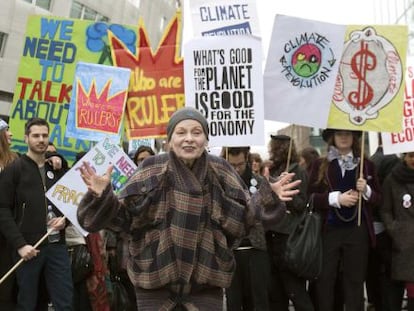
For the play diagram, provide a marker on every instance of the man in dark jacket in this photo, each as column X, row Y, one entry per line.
column 249, row 287
column 23, row 210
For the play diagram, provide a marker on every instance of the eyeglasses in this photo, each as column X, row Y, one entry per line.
column 238, row 165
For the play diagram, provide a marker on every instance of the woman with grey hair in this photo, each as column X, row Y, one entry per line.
column 183, row 211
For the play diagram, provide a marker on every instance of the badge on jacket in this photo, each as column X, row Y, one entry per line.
column 406, row 200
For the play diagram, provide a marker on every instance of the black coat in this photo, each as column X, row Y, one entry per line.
column 399, row 220
column 23, row 202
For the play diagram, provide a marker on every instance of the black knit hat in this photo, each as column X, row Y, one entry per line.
column 186, row 113
column 327, row 133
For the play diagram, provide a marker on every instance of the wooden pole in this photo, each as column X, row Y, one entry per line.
column 290, row 149
column 361, row 175
column 21, row 259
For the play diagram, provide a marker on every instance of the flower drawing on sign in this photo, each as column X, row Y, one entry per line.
column 370, row 75
column 307, row 60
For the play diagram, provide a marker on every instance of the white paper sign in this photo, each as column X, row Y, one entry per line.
column 403, row 141
column 223, row 80
column 224, row 18
column 301, row 68
column 68, row 191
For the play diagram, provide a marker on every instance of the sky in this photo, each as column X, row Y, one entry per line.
column 331, row 11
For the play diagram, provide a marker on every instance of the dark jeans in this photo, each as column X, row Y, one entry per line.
column 53, row 262
column 249, row 288
column 284, row 284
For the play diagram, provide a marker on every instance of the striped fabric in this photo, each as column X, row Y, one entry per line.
column 207, row 300
column 182, row 222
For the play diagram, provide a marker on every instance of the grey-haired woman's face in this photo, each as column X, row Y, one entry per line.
column 188, row 141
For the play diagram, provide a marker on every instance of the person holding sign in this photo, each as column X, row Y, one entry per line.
column 23, row 208
column 337, row 187
column 183, row 211
column 398, row 217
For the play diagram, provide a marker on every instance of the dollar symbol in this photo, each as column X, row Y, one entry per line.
column 364, row 60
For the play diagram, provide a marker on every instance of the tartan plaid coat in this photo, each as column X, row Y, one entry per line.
column 181, row 221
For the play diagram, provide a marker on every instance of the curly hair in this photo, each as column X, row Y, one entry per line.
column 278, row 153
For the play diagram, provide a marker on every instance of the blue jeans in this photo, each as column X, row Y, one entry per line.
column 53, row 262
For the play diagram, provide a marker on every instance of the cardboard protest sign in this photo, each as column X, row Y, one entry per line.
column 68, row 191
column 156, row 88
column 369, row 88
column 301, row 69
column 98, row 100
column 223, row 80
column 403, row 141
column 52, row 47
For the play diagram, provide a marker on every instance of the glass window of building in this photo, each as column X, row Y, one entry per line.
column 3, row 39
column 44, row 4
column 81, row 11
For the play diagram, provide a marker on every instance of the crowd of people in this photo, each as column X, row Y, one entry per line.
column 194, row 231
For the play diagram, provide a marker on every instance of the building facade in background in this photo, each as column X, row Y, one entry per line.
column 14, row 14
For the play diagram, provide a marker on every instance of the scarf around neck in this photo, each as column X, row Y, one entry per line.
column 347, row 161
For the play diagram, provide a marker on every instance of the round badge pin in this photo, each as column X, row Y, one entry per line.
column 406, row 200
column 253, row 182
column 407, row 204
column 50, row 175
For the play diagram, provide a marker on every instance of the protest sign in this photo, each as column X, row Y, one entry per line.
column 52, row 47
column 369, row 88
column 223, row 80
column 403, row 141
column 68, row 191
column 301, row 70
column 156, row 88
column 224, row 18
column 97, row 104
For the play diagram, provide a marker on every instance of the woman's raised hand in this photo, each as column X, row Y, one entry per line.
column 96, row 183
column 284, row 187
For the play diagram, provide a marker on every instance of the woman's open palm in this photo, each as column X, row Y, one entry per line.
column 95, row 183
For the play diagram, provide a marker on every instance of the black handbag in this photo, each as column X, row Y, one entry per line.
column 82, row 263
column 303, row 254
column 121, row 299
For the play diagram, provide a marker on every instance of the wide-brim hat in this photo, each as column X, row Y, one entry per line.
column 328, row 133
column 280, row 137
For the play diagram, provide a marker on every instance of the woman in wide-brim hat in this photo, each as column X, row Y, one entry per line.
column 336, row 184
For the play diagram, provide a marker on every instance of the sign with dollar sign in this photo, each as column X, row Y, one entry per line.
column 369, row 87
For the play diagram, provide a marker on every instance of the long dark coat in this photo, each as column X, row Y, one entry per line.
column 398, row 218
